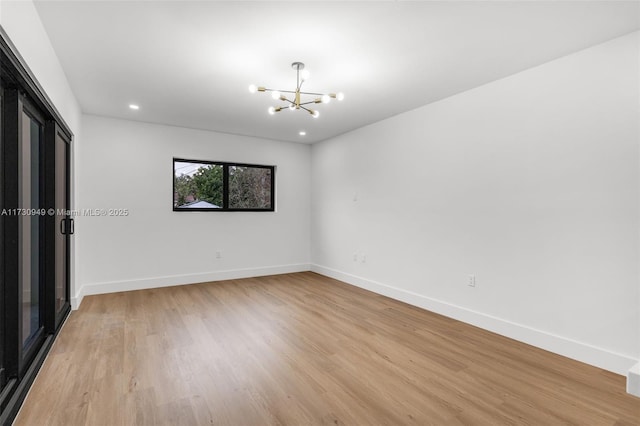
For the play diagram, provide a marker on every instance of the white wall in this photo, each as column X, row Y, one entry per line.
column 126, row 164
column 21, row 22
column 530, row 183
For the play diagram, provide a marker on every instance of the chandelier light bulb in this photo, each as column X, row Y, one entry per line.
column 271, row 110
column 326, row 99
column 315, row 114
column 253, row 88
column 340, row 96
column 275, row 94
column 292, row 107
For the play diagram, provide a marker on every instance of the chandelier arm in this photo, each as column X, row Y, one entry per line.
column 307, row 103
column 306, row 109
column 281, row 91
column 311, row 93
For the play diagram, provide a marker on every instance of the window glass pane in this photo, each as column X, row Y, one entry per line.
column 197, row 185
column 249, row 187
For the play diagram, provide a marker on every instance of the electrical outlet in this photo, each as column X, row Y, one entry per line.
column 363, row 258
column 218, row 255
column 471, row 282
column 355, row 257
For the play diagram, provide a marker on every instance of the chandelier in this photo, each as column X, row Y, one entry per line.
column 297, row 103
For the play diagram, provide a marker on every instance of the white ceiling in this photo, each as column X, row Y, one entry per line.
column 189, row 63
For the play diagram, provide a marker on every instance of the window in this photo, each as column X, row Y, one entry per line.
column 217, row 186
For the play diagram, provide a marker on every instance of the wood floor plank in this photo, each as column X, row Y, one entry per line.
column 302, row 349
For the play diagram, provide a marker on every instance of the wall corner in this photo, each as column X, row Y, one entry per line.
column 633, row 380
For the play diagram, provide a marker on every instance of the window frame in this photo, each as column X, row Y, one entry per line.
column 225, row 186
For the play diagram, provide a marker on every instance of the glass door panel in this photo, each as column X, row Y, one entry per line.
column 30, row 229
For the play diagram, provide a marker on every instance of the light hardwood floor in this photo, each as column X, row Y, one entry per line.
column 303, row 349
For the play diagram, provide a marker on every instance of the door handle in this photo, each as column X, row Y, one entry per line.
column 67, row 230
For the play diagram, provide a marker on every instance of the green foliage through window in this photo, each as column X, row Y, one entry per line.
column 249, row 187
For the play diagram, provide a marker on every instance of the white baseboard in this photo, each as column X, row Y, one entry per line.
column 77, row 299
column 171, row 280
column 579, row 351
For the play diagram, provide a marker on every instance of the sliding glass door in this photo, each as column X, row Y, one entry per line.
column 35, row 231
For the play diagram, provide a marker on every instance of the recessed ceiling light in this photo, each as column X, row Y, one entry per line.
column 132, row 106
column 302, row 133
